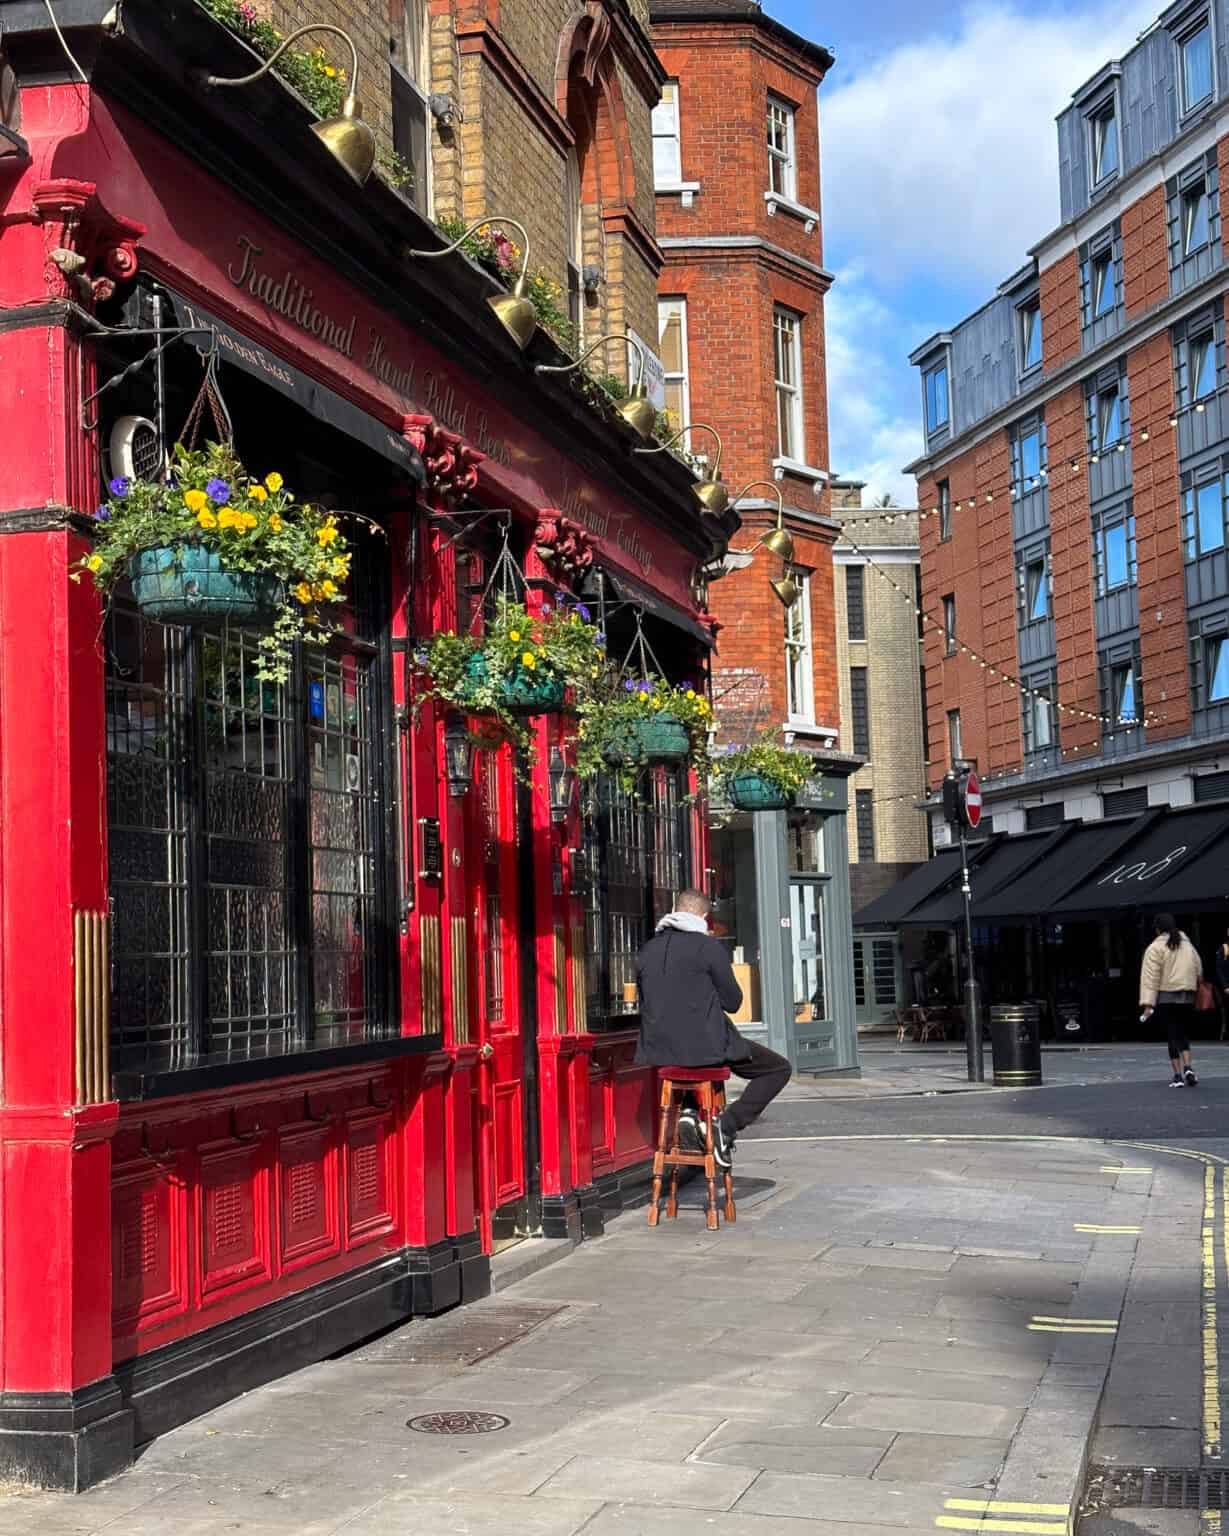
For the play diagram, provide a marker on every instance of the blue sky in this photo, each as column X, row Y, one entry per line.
column 939, row 168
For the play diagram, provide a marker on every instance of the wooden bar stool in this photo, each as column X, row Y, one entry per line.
column 708, row 1084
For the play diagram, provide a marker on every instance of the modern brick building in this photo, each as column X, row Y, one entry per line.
column 1075, row 431
column 741, row 337
column 1074, row 565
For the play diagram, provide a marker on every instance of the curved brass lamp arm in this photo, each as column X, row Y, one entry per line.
column 321, row 26
column 692, row 426
column 481, row 224
column 590, row 350
column 779, row 539
column 770, row 485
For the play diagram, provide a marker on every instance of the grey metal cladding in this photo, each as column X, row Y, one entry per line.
column 1072, row 163
column 984, row 369
column 1220, row 27
column 1149, row 99
column 1116, row 612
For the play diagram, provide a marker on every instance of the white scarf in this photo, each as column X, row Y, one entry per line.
column 687, row 922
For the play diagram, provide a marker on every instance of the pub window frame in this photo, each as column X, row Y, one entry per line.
column 201, row 1032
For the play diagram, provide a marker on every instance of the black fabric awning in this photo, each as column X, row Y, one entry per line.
column 1073, row 853
column 1158, row 866
column 991, row 868
column 315, row 398
column 888, row 910
column 1202, row 881
column 629, row 590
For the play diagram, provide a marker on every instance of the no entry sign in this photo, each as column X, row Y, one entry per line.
column 972, row 799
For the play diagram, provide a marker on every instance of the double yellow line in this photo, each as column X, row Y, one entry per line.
column 1003, row 1515
column 1211, row 1368
column 1103, row 1325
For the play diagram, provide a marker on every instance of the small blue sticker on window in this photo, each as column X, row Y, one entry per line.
column 315, row 700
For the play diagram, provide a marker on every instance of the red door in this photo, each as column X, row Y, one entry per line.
column 499, row 1117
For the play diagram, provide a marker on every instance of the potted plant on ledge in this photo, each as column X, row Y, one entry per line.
column 763, row 776
column 210, row 545
column 629, row 723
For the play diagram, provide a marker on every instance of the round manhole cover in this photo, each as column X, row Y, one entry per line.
column 466, row 1422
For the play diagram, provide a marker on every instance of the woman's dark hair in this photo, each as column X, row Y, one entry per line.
column 1166, row 923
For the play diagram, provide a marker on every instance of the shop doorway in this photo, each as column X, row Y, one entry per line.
column 813, row 1027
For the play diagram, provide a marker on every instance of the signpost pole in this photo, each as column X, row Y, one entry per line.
column 972, row 993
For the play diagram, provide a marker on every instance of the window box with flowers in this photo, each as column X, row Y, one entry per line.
column 763, row 776
column 210, row 546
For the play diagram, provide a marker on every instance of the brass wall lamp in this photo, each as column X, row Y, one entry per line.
column 513, row 310
column 638, row 411
column 778, row 541
column 346, row 137
column 710, row 492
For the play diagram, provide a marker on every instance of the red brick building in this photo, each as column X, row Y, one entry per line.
column 1075, row 512
column 741, row 337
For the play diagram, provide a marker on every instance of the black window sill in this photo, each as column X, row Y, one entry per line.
column 156, row 1078
column 613, row 1023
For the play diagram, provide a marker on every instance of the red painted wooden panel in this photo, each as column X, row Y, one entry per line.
column 634, row 1106
column 370, row 1178
column 307, row 1206
column 148, row 1273
column 508, row 1112
column 233, row 1221
column 601, row 1110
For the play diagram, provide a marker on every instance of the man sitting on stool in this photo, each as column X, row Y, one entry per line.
column 687, row 987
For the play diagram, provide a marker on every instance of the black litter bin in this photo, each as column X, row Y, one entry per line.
column 1015, row 1040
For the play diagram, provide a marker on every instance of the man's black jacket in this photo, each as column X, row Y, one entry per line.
column 687, row 987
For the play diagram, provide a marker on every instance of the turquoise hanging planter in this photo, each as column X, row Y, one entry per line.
column 753, row 792
column 188, row 584
column 523, row 694
column 660, row 739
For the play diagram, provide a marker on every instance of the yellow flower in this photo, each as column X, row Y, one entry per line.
column 275, row 522
column 326, row 535
column 529, row 660
column 206, row 518
column 657, row 703
column 303, row 592
column 514, row 635
column 228, row 518
column 340, row 566
column 247, row 520
column 258, row 493
column 274, row 481
column 328, row 588
column 329, row 71
column 704, row 707
column 690, row 694
column 195, row 500
column 94, row 563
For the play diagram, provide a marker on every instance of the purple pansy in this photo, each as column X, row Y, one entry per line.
column 645, row 686
column 102, row 515
column 600, row 637
column 629, row 685
column 120, row 486
column 583, row 611
column 217, row 491
column 545, row 607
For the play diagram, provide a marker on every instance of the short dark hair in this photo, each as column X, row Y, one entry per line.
column 694, row 901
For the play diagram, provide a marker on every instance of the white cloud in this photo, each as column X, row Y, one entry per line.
column 940, row 159
column 873, row 419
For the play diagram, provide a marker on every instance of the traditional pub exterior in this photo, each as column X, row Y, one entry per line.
column 293, row 1031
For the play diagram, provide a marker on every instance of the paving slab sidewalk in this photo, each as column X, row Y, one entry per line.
column 857, row 1356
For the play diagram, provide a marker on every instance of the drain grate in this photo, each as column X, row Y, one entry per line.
column 1156, row 1488
column 466, row 1422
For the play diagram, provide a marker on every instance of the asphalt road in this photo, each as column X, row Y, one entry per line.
column 1120, row 1093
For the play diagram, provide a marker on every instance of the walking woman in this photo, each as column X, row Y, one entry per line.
column 1168, row 979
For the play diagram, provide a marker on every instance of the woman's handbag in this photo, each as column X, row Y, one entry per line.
column 1205, row 996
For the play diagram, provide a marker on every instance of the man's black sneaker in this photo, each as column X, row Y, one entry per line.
column 690, row 1132
column 1177, row 1082
column 1191, row 1080
column 723, row 1144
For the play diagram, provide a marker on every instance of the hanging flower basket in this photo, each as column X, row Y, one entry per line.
column 753, row 792
column 210, row 544
column 661, row 739
column 190, row 585
column 521, row 692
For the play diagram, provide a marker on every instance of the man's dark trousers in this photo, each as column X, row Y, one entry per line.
column 765, row 1074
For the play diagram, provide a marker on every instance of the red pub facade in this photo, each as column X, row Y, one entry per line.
column 291, row 1034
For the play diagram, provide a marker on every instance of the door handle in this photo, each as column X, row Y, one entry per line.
column 487, row 1051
